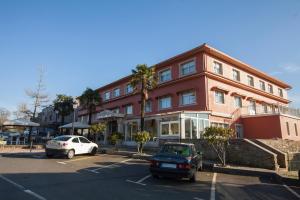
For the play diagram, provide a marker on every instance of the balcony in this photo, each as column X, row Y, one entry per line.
column 275, row 109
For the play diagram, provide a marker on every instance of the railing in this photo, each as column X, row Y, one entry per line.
column 275, row 109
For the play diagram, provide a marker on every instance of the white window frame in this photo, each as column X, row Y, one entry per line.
column 169, row 123
column 270, row 89
column 218, row 70
column 106, row 95
column 159, row 103
column 149, row 110
column 250, row 80
column 186, row 62
column 262, row 85
column 185, row 93
column 240, row 100
column 238, row 75
column 162, row 71
column 215, row 95
column 126, row 109
column 126, row 89
column 114, row 92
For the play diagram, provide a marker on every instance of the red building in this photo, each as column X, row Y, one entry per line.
column 199, row 88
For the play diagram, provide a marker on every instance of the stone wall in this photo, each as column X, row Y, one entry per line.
column 294, row 161
column 240, row 152
column 282, row 145
column 282, row 158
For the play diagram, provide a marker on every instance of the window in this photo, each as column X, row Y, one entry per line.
column 236, row 75
column 187, row 68
column 288, row 128
column 237, row 102
column 75, row 140
column 128, row 89
column 262, row 85
column 270, row 88
column 217, row 124
column 252, row 108
column 218, row 68
column 296, row 130
column 280, row 93
column 190, row 128
column 165, row 103
column 250, row 81
column 219, row 97
column 265, row 108
column 188, row 98
column 148, row 106
column 129, row 110
column 165, row 75
column 116, row 92
column 169, row 128
column 84, row 140
column 106, row 96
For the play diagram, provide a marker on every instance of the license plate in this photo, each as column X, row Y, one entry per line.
column 168, row 165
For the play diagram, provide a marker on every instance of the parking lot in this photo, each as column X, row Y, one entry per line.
column 32, row 176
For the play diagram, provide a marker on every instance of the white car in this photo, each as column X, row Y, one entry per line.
column 70, row 145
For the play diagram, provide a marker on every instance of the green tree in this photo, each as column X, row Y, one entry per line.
column 98, row 129
column 64, row 105
column 89, row 100
column 143, row 80
column 142, row 138
column 218, row 138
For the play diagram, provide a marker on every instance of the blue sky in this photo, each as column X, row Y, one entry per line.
column 91, row 43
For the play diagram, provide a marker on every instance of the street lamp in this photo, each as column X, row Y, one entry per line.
column 75, row 105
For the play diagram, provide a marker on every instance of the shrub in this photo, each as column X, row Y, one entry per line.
column 142, row 138
column 114, row 137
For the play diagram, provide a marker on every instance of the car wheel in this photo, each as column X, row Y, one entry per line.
column 193, row 178
column 94, row 151
column 71, row 154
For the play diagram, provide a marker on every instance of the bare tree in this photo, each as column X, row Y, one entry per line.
column 4, row 115
column 23, row 112
column 38, row 95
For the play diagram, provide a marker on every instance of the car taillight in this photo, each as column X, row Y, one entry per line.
column 64, row 144
column 184, row 166
column 154, row 163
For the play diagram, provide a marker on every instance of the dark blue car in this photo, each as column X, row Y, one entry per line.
column 178, row 160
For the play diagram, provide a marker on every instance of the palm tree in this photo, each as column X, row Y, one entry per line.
column 143, row 80
column 64, row 105
column 89, row 100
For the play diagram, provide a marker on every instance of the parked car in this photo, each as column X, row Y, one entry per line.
column 178, row 160
column 70, row 145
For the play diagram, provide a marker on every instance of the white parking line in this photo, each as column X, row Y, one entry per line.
column 63, row 163
column 110, row 166
column 292, row 191
column 213, row 187
column 22, row 188
column 139, row 182
column 73, row 160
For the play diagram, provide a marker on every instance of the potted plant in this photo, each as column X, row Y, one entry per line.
column 141, row 139
column 115, row 139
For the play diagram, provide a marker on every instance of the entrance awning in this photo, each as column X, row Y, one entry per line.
column 20, row 122
column 77, row 125
column 106, row 114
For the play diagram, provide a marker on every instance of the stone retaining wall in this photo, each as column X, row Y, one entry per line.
column 240, row 152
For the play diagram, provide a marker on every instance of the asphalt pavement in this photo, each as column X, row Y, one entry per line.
column 33, row 176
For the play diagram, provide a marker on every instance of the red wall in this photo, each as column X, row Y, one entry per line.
column 262, row 127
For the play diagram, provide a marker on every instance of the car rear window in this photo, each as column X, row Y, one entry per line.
column 182, row 150
column 62, row 138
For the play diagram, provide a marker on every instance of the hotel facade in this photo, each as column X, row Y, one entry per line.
column 196, row 89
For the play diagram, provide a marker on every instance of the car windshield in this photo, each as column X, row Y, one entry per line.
column 62, row 138
column 182, row 150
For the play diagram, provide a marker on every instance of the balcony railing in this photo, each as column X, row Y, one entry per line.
column 276, row 109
